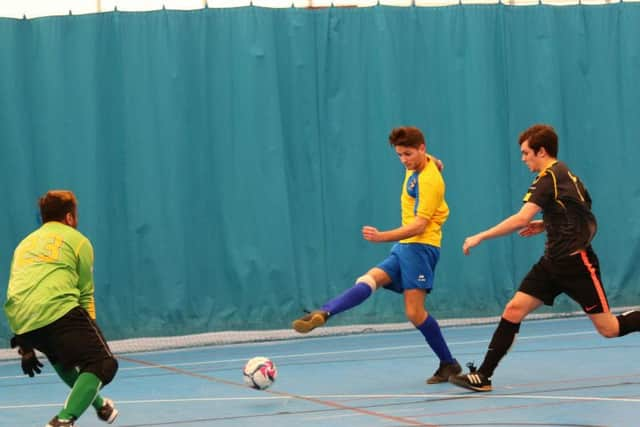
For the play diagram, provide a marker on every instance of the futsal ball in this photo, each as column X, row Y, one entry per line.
column 259, row 373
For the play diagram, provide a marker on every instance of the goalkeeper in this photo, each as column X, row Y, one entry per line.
column 50, row 308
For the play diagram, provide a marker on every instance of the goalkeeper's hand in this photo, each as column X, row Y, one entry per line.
column 30, row 363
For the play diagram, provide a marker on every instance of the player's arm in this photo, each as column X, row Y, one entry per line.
column 533, row 228
column 411, row 229
column 85, row 278
column 431, row 196
column 513, row 223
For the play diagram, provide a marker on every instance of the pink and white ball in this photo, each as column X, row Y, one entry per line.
column 259, row 373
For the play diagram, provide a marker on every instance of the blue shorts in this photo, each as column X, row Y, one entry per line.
column 411, row 266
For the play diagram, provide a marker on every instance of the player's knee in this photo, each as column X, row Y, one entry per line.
column 606, row 324
column 368, row 280
column 514, row 312
column 607, row 330
column 109, row 367
column 415, row 315
column 104, row 369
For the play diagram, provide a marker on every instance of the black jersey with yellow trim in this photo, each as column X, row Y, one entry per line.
column 566, row 210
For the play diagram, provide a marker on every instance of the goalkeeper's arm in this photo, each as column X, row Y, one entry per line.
column 85, row 278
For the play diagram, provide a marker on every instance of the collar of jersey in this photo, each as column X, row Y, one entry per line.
column 547, row 168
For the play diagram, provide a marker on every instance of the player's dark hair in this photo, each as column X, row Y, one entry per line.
column 541, row 136
column 407, row 136
column 56, row 204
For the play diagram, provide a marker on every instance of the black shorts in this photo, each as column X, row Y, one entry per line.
column 578, row 276
column 73, row 341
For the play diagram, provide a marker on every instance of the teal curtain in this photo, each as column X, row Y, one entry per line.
column 226, row 159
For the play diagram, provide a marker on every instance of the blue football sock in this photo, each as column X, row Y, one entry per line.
column 431, row 331
column 348, row 299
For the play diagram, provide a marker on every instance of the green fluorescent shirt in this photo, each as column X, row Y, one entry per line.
column 51, row 273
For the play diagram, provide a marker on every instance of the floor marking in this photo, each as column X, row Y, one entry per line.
column 319, row 398
column 320, row 401
column 326, row 353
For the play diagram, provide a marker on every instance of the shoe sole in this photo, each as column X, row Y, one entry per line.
column 305, row 326
column 464, row 384
column 50, row 425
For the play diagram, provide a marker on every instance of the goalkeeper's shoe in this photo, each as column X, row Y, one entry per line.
column 444, row 371
column 474, row 380
column 310, row 321
column 57, row 422
column 108, row 413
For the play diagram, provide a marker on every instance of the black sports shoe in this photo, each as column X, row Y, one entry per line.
column 474, row 380
column 309, row 322
column 108, row 413
column 444, row 371
column 57, row 422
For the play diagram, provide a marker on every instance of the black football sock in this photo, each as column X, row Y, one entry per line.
column 501, row 342
column 629, row 322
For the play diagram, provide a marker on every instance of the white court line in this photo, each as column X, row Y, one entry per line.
column 360, row 350
column 410, row 329
column 328, row 353
column 357, row 396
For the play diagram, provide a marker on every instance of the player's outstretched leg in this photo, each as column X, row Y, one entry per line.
column 350, row 298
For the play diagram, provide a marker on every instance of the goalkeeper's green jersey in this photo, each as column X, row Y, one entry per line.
column 51, row 273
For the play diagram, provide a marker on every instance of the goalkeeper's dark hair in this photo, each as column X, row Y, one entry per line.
column 541, row 136
column 56, row 204
column 406, row 136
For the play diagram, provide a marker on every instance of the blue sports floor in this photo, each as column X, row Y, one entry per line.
column 559, row 373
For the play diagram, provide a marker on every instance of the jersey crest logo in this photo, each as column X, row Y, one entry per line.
column 412, row 184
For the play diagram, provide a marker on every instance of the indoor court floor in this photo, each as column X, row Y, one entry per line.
column 559, row 373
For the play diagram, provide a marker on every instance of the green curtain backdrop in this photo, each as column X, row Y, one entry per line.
column 226, row 159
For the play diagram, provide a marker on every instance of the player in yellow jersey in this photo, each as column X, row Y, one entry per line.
column 50, row 308
column 410, row 267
